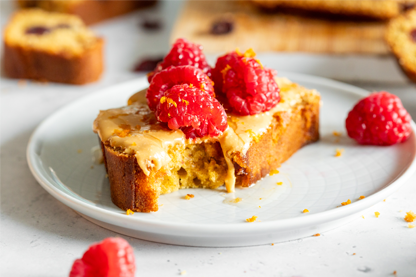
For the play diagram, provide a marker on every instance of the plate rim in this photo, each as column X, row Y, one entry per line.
column 202, row 229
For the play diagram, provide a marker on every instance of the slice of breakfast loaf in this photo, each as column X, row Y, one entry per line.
column 51, row 47
column 144, row 159
column 90, row 11
column 377, row 9
column 401, row 38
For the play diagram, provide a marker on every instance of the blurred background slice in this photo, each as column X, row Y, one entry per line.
column 90, row 11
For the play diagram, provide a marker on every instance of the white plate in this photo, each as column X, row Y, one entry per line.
column 313, row 178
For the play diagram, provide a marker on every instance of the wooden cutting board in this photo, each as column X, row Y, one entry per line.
column 276, row 31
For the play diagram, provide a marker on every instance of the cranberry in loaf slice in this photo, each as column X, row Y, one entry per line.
column 144, row 159
column 52, row 47
column 90, row 11
column 401, row 38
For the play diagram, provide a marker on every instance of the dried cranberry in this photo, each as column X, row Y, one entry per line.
column 222, row 27
column 407, row 6
column 413, row 35
column 147, row 65
column 37, row 30
column 151, row 24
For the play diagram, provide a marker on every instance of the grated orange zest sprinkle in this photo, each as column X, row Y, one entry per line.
column 253, row 135
column 362, row 197
column 162, row 99
column 236, row 200
column 129, row 212
column 317, row 235
column 305, row 211
column 225, row 70
column 273, row 172
column 249, row 53
column 346, row 203
column 377, row 214
column 279, row 183
column 251, row 219
column 336, row 134
column 338, row 152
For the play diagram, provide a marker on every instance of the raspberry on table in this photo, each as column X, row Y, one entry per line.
column 176, row 75
column 183, row 52
column 246, row 87
column 196, row 112
column 379, row 119
column 111, row 257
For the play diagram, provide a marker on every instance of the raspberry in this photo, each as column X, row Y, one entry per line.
column 183, row 52
column 248, row 87
column 176, row 75
column 192, row 110
column 379, row 119
column 111, row 257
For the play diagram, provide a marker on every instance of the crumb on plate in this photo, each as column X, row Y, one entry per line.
column 189, row 196
column 410, row 216
column 129, row 212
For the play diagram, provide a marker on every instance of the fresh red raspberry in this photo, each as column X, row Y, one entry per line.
column 379, row 119
column 183, row 52
column 248, row 87
column 176, row 75
column 192, row 110
column 111, row 257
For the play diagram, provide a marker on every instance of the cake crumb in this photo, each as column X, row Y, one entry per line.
column 395, row 273
column 129, row 212
column 183, row 272
column 338, row 152
column 279, row 183
column 362, row 197
column 79, row 151
column 377, row 214
column 410, row 216
column 189, row 196
column 251, row 219
column 411, row 226
column 92, row 167
column 346, row 203
column 353, row 254
column 316, row 235
column 273, row 172
column 336, row 134
column 22, row 83
column 106, row 175
column 305, row 211
column 236, row 200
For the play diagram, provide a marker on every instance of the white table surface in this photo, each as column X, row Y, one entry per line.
column 42, row 237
